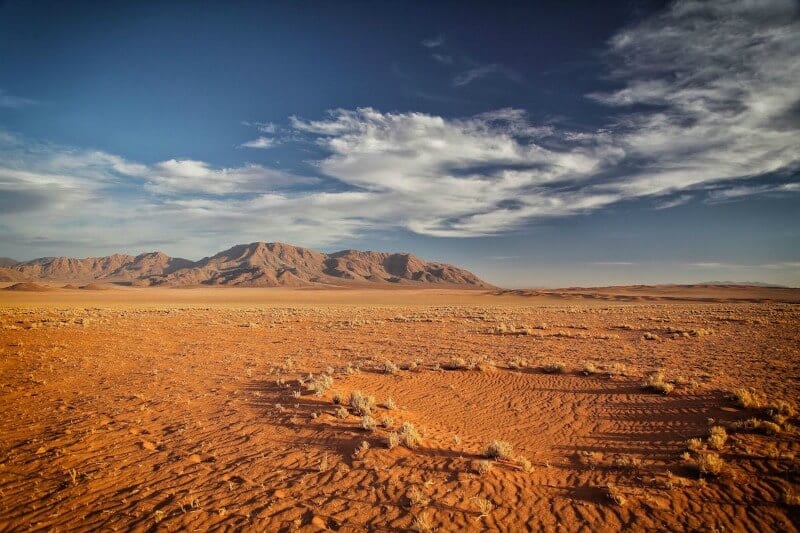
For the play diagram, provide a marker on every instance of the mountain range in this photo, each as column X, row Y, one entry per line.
column 258, row 264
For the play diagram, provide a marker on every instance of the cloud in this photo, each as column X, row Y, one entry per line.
column 742, row 191
column 444, row 59
column 261, row 142
column 434, row 42
column 181, row 176
column 14, row 102
column 674, row 202
column 715, row 80
column 781, row 265
column 482, row 71
column 700, row 104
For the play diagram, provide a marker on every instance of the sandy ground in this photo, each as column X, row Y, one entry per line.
column 172, row 409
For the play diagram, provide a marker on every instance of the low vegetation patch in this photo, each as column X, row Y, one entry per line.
column 499, row 449
column 555, row 367
column 655, row 382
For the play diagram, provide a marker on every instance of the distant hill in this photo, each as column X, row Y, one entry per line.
column 6, row 262
column 258, row 264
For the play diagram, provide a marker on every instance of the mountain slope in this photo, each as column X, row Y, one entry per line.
column 257, row 264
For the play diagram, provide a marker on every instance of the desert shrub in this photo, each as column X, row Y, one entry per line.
column 755, row 424
column 627, row 461
column 781, row 408
column 556, row 367
column 320, row 384
column 524, row 463
column 651, row 336
column 360, row 403
column 655, row 382
column 499, row 449
column 368, row 423
column 417, row 497
column 717, row 437
column 337, row 398
column 409, row 436
column 483, row 467
column 387, row 422
column 485, row 507
column 421, row 524
column 390, row 368
column 392, row 440
column 694, row 444
column 389, row 403
column 710, row 463
column 456, row 363
column 618, row 369
column 748, row 398
column 342, row 413
column 589, row 368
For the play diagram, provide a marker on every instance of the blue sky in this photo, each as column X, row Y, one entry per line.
column 537, row 144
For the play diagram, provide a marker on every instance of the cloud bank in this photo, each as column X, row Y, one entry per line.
column 704, row 98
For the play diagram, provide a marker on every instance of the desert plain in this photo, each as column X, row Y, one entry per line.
column 164, row 409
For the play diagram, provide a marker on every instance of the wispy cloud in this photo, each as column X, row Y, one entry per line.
column 674, row 202
column 433, row 42
column 482, row 71
column 14, row 102
column 742, row 191
column 781, row 265
column 261, row 142
column 703, row 91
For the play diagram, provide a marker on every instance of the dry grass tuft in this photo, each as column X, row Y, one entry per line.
column 409, row 436
column 368, row 423
column 421, row 524
column 556, row 367
column 389, row 404
column 456, row 363
column 749, row 398
column 360, row 403
column 390, row 368
column 694, row 444
column 524, row 463
column 589, row 368
column 627, row 461
column 482, row 467
column 717, row 437
column 655, row 382
column 499, row 449
column 706, row 462
column 485, row 507
column 417, row 497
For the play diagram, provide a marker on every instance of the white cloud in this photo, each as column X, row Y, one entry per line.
column 433, row 42
column 261, row 142
column 708, row 98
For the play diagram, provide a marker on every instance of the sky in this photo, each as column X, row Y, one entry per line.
column 534, row 143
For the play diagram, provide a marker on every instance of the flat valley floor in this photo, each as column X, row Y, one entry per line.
column 209, row 409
